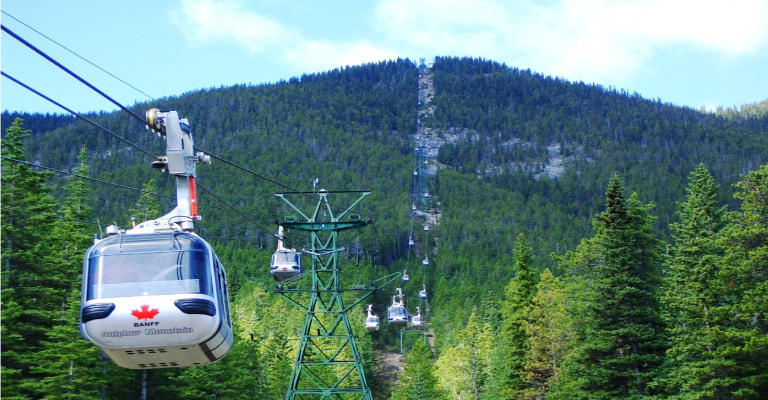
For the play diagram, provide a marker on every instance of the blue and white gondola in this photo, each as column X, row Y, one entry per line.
column 156, row 300
column 417, row 321
column 155, row 296
column 286, row 262
column 397, row 314
column 371, row 320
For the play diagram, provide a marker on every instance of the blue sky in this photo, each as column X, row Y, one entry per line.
column 695, row 53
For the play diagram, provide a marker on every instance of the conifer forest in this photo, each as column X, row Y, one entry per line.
column 562, row 240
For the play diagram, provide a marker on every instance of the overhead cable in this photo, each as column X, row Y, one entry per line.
column 247, row 170
column 74, row 75
column 78, row 115
column 129, row 143
column 245, row 216
column 85, row 177
column 50, row 216
column 122, row 107
column 77, row 55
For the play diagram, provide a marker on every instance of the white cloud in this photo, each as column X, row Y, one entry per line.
column 206, row 21
column 317, row 55
column 593, row 40
column 590, row 40
column 442, row 24
column 734, row 27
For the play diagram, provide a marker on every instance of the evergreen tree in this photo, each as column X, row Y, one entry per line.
column 507, row 373
column 743, row 279
column 277, row 364
column 260, row 331
column 68, row 365
column 417, row 381
column 464, row 368
column 69, row 237
column 332, row 119
column 238, row 376
column 620, row 336
column 146, row 207
column 549, row 335
column 691, row 294
column 30, row 301
column 575, row 284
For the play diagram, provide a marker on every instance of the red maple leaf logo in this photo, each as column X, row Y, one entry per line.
column 145, row 313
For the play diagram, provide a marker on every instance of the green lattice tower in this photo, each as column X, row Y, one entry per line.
column 328, row 364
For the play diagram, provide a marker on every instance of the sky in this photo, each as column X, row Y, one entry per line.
column 702, row 53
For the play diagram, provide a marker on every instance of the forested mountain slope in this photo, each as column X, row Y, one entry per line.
column 517, row 153
column 354, row 129
column 496, row 181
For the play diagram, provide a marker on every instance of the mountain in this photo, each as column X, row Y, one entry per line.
column 515, row 132
column 485, row 151
column 507, row 151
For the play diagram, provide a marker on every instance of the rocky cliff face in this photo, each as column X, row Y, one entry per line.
column 429, row 140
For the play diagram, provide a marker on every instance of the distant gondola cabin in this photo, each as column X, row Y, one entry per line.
column 286, row 264
column 372, row 322
column 397, row 315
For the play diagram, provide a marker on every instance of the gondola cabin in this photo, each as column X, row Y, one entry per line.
column 155, row 300
column 286, row 264
column 406, row 278
column 423, row 293
column 371, row 320
column 397, row 315
column 417, row 321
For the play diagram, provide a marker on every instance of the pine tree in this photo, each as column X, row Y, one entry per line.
column 29, row 297
column 464, row 368
column 620, row 335
column 146, row 207
column 268, row 336
column 70, row 237
column 239, row 375
column 507, row 373
column 68, row 365
column 743, row 279
column 576, row 284
column 277, row 364
column 417, row 381
column 549, row 335
column 692, row 293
